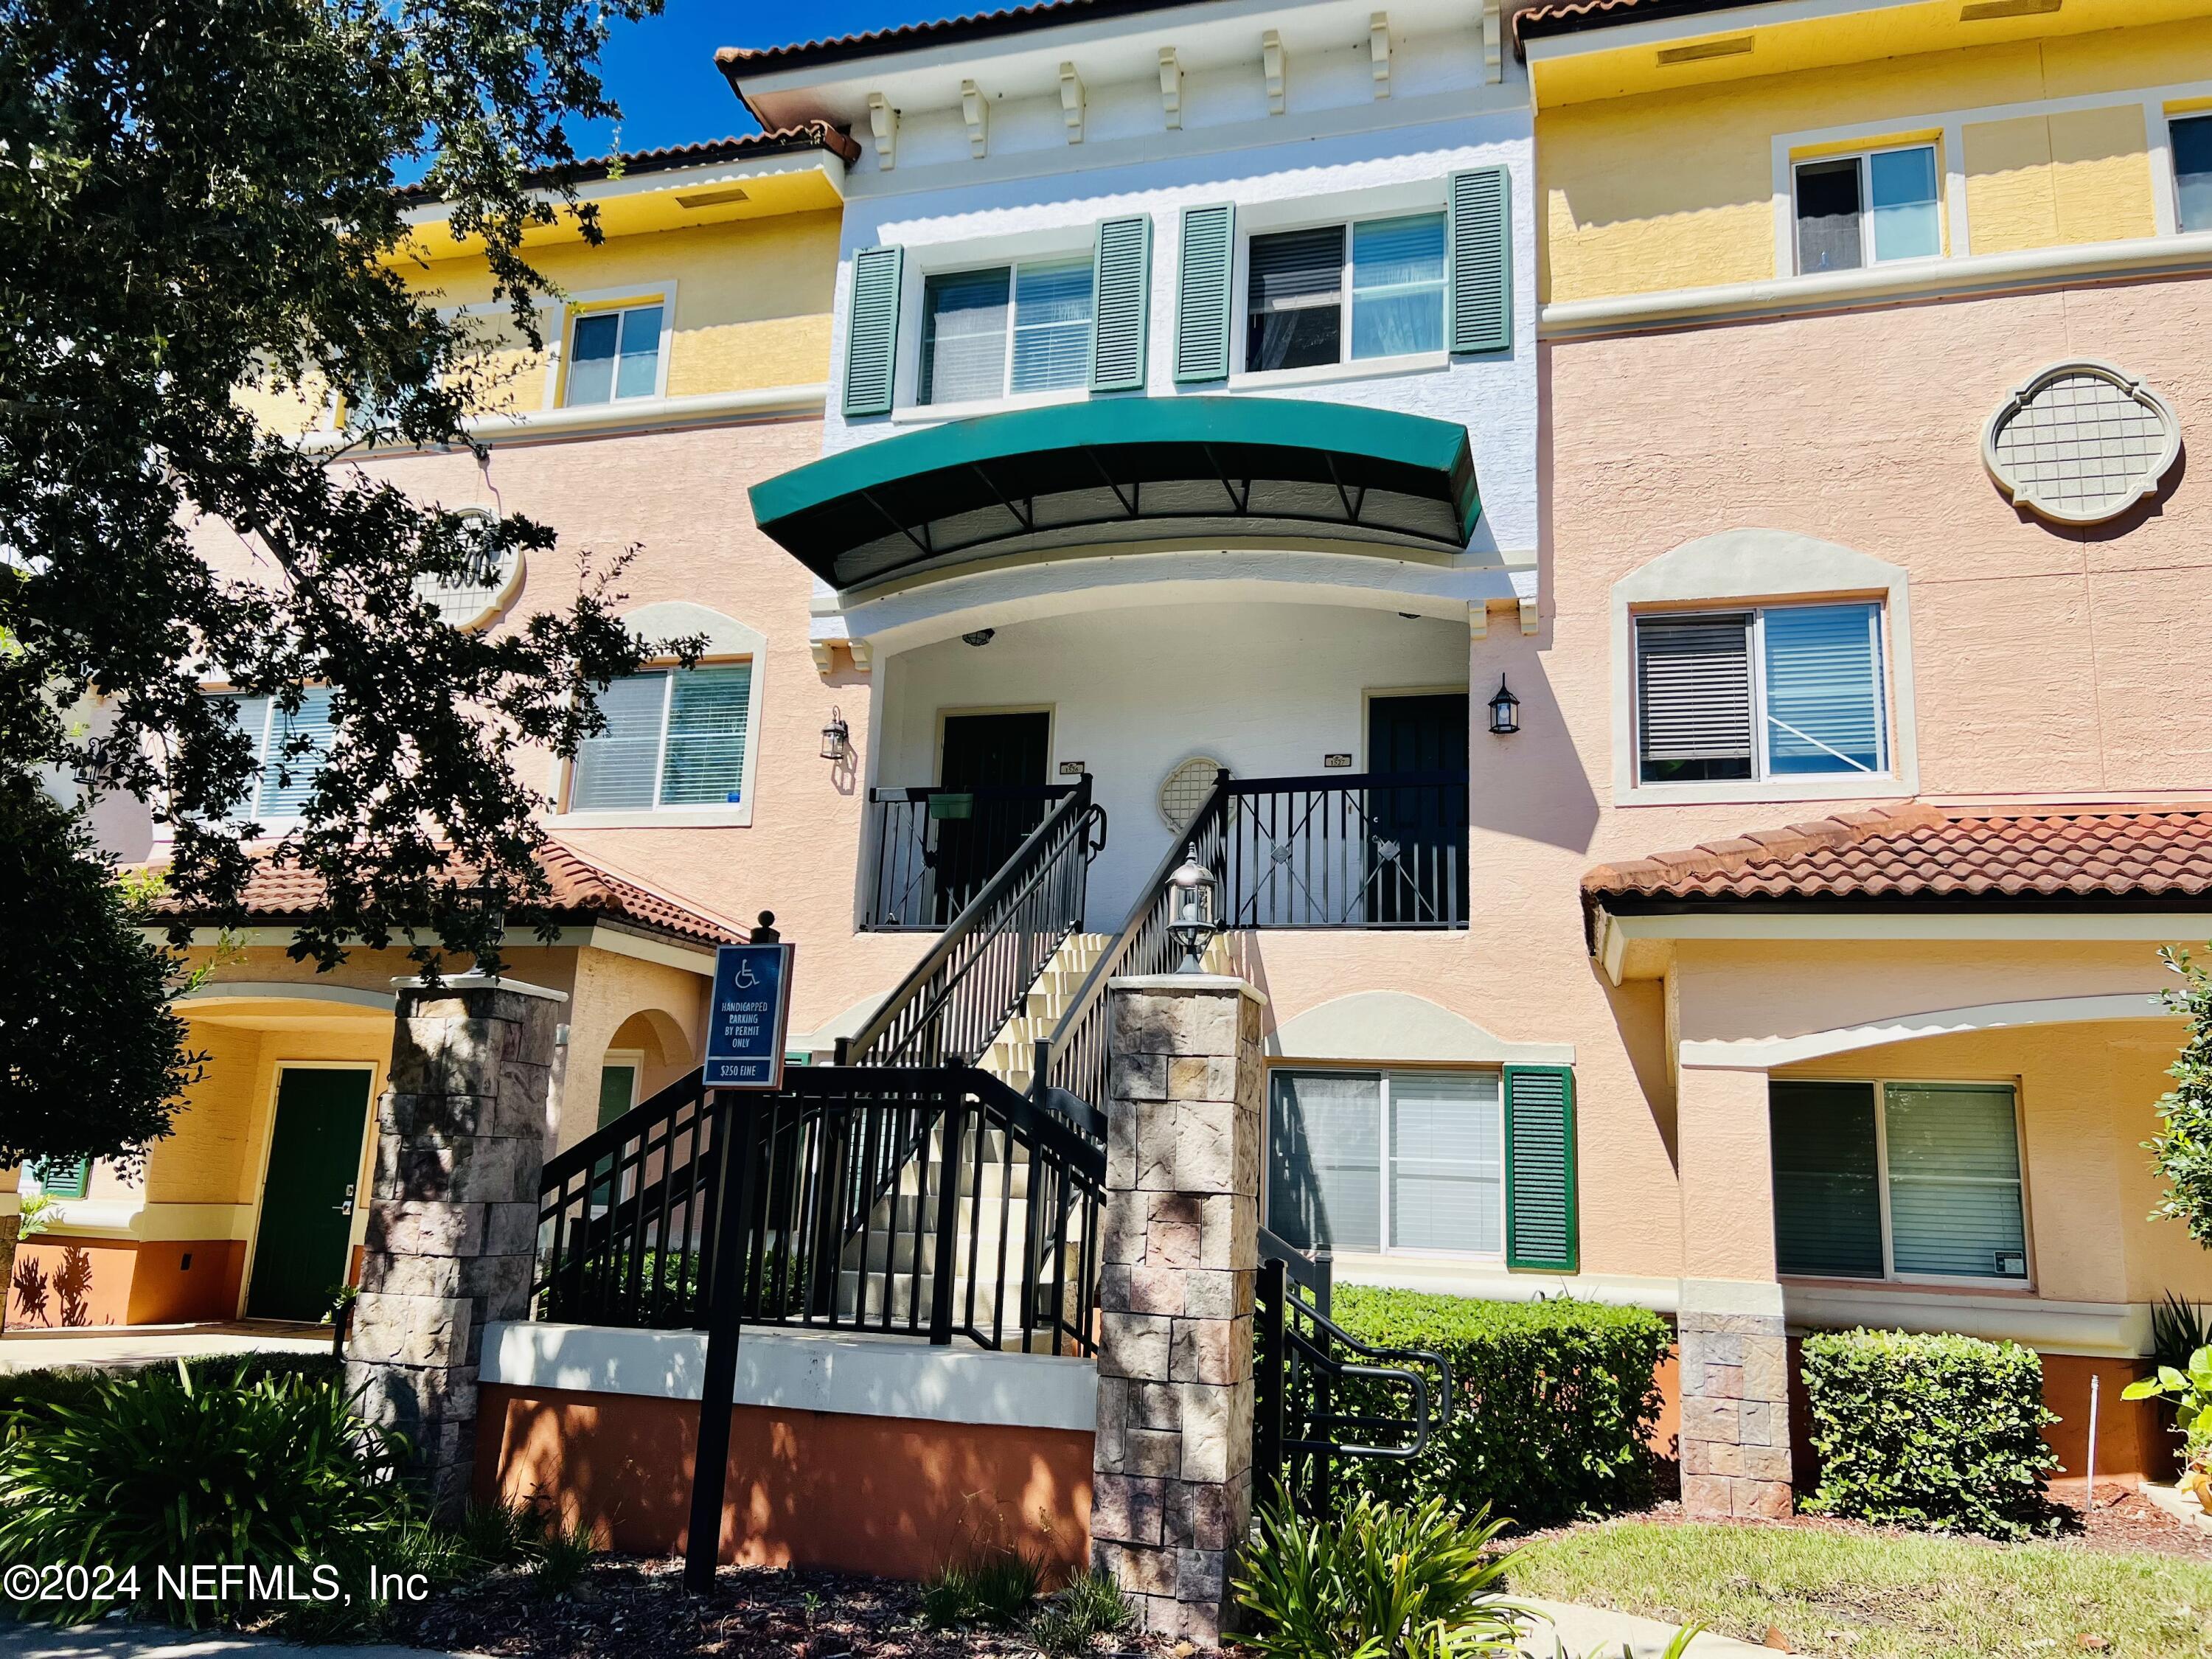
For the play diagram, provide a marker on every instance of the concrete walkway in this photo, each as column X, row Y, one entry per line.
column 35, row 1348
column 1581, row 1633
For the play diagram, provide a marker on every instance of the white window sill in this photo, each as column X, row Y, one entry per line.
column 667, row 818
column 1359, row 368
column 907, row 414
column 1853, row 786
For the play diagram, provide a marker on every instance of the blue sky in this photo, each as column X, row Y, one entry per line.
column 662, row 72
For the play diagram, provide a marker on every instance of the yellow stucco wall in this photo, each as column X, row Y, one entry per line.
column 1668, row 189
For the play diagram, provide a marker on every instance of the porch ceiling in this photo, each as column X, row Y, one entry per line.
column 1121, row 471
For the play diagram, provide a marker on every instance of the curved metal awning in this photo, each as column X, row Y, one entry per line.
column 1121, row 470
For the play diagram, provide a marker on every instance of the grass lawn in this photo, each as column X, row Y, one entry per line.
column 1876, row 1594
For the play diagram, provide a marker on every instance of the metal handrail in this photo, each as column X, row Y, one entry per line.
column 1056, row 1066
column 1068, row 824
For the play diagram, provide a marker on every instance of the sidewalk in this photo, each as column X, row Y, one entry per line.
column 35, row 1348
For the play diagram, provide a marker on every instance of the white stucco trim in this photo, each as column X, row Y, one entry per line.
column 1387, row 1027
column 1762, row 1054
column 620, row 941
column 602, row 420
column 1754, row 566
column 2119, row 1330
column 218, row 993
column 131, row 1218
column 800, row 1371
column 926, row 612
column 1760, row 1298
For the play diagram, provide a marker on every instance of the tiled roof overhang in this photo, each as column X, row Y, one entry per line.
column 747, row 146
column 1539, row 21
column 737, row 62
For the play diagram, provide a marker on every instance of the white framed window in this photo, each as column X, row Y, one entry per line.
column 1876, row 207
column 614, row 354
column 289, row 750
column 618, row 1083
column 1388, row 1161
column 1904, row 1180
column 1759, row 693
column 675, row 737
column 1005, row 330
column 1333, row 294
column 2190, row 138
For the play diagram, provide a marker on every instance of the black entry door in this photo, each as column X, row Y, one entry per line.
column 1417, row 830
column 993, row 784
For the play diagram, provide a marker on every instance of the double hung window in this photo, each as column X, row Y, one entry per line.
column 2191, row 137
column 1857, row 210
column 1788, row 690
column 1897, row 1180
column 673, row 738
column 614, row 355
column 289, row 750
column 1387, row 1161
column 1008, row 329
column 1372, row 289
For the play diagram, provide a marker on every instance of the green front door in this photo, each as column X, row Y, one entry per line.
column 306, row 1204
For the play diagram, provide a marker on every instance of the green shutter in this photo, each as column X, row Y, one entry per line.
column 1122, row 278
column 1481, row 261
column 871, row 332
column 64, row 1180
column 1203, row 293
column 1541, row 1224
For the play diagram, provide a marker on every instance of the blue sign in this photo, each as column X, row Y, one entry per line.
column 745, row 1026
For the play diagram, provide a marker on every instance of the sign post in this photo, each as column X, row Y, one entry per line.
column 746, row 1024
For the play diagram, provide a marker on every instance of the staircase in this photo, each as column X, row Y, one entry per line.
column 1013, row 1053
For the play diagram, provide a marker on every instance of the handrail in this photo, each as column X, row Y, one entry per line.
column 1058, row 1066
column 906, row 791
column 978, row 923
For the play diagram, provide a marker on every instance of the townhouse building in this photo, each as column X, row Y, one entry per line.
column 1645, row 547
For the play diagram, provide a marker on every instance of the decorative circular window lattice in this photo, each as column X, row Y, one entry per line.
column 468, row 602
column 2081, row 442
column 1184, row 790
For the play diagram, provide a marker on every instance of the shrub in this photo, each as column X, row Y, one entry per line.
column 564, row 1558
column 1377, row 1583
column 995, row 1587
column 28, row 1397
column 1091, row 1606
column 155, row 1470
column 1554, row 1402
column 1938, row 1432
column 502, row 1534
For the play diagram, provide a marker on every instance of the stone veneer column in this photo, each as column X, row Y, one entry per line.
column 1172, row 1493
column 452, row 1225
column 1734, row 1353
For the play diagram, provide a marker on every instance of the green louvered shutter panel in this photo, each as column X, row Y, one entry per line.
column 872, row 333
column 1122, row 272
column 1203, row 293
column 1541, row 1224
column 64, row 1180
column 1481, row 261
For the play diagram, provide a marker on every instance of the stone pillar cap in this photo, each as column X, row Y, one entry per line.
column 460, row 984
column 1188, row 982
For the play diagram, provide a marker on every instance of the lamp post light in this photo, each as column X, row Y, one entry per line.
column 1505, row 711
column 1192, row 891
column 836, row 738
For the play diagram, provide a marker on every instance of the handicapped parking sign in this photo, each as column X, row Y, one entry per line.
column 745, row 1025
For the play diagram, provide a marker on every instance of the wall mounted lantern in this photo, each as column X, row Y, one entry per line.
column 836, row 738
column 1505, row 711
column 1191, row 892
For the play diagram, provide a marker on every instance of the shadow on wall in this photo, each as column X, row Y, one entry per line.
column 1539, row 789
column 61, row 1297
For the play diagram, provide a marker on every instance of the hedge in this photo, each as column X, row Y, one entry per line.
column 26, row 1397
column 1942, row 1434
column 1554, row 1402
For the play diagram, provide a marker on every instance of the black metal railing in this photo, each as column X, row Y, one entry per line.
column 1318, row 1390
column 903, row 1201
column 936, row 848
column 1075, row 1058
column 1371, row 849
column 961, row 994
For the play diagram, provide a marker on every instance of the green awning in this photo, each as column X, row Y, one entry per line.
column 1120, row 470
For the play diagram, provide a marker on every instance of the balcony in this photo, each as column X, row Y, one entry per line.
column 933, row 849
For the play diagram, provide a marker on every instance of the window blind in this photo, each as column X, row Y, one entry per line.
column 1325, row 1154
column 1954, row 1189
column 1398, row 286
column 1447, row 1161
column 288, row 775
column 1827, row 1179
column 1295, row 292
column 703, row 762
column 1052, row 325
column 2192, row 169
column 1828, row 216
column 615, row 770
column 1693, row 697
column 1824, row 703
column 963, row 339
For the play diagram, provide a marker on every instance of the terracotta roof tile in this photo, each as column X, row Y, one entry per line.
column 807, row 135
column 1912, row 851
column 1574, row 15
column 581, row 890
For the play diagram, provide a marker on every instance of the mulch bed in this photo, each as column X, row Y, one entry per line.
column 629, row 1608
